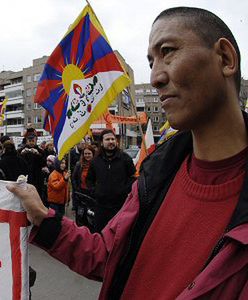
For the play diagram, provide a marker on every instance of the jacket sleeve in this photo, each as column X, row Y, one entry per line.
column 82, row 251
column 56, row 182
column 91, row 178
column 76, row 180
column 130, row 172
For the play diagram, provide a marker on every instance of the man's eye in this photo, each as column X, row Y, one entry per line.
column 167, row 50
column 150, row 64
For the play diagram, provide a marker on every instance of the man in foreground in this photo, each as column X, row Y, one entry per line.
column 110, row 178
column 182, row 232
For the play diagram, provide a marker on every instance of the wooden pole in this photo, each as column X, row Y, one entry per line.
column 69, row 182
column 137, row 117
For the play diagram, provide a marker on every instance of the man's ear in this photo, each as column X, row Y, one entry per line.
column 228, row 55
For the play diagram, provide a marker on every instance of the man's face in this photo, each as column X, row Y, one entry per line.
column 186, row 74
column 109, row 142
column 80, row 146
column 31, row 142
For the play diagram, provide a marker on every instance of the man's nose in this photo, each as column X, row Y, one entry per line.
column 159, row 76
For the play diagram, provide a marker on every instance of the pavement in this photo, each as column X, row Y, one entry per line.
column 56, row 281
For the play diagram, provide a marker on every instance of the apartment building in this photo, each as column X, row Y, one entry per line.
column 34, row 113
column 147, row 100
column 11, row 86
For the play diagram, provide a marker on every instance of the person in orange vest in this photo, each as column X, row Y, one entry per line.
column 57, row 190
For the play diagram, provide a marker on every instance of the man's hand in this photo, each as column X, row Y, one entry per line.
column 31, row 202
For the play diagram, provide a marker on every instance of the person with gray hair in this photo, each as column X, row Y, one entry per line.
column 182, row 232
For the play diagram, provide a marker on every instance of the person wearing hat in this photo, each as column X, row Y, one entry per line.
column 34, row 156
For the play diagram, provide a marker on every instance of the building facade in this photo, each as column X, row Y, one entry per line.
column 147, row 100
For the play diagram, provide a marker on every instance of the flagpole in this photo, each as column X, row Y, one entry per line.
column 137, row 117
column 69, row 182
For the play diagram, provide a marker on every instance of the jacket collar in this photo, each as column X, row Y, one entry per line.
column 239, row 234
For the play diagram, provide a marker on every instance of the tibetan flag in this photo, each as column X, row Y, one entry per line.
column 166, row 132
column 2, row 110
column 81, row 78
column 146, row 148
column 14, row 277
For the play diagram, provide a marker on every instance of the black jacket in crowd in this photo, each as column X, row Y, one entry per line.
column 11, row 166
column 111, row 179
column 35, row 163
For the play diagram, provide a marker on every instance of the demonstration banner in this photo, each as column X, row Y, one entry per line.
column 14, row 283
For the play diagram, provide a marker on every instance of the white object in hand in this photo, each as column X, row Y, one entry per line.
column 22, row 181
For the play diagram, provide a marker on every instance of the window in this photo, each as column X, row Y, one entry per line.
column 155, row 109
column 155, row 128
column 29, row 78
column 15, row 121
column 156, row 119
column 16, row 80
column 29, row 106
column 36, row 77
column 148, row 90
column 155, row 99
column 140, row 91
column 140, row 108
column 37, row 119
column 35, row 89
column 29, row 120
column 37, row 106
column 28, row 92
column 14, row 94
column 149, row 109
column 154, row 91
column 112, row 111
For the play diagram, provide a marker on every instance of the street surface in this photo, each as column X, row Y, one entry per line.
column 56, row 281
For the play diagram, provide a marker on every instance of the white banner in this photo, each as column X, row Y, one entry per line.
column 14, row 279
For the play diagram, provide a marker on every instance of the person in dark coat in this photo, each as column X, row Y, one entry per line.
column 11, row 165
column 109, row 178
column 74, row 158
column 79, row 181
column 34, row 157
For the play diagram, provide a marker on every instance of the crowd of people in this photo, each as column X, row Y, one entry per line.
column 102, row 172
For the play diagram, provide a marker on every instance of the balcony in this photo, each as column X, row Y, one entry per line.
column 14, row 87
column 14, row 114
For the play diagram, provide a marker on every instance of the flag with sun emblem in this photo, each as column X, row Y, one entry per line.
column 80, row 79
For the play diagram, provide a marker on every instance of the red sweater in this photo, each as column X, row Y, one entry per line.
column 189, row 223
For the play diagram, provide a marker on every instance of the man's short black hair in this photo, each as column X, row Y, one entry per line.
column 106, row 131
column 4, row 138
column 208, row 27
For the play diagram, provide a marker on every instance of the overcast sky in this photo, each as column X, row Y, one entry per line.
column 30, row 29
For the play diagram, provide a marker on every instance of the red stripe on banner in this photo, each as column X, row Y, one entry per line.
column 16, row 220
column 75, row 41
column 108, row 63
column 56, row 59
column 58, row 110
column 44, row 89
column 16, row 261
column 94, row 34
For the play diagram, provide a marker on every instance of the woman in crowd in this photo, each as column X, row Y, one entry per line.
column 79, row 179
column 57, row 190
